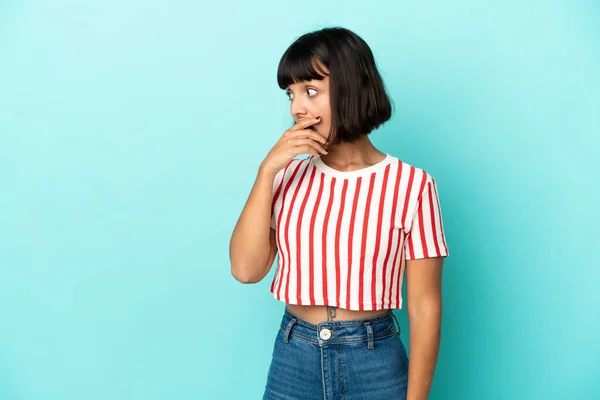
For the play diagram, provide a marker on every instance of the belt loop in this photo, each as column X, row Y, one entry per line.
column 397, row 323
column 370, row 341
column 288, row 329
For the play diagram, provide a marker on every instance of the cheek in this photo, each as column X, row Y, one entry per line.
column 323, row 109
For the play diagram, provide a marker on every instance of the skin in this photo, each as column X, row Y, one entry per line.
column 308, row 100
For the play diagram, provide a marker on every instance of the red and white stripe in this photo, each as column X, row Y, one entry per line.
column 345, row 242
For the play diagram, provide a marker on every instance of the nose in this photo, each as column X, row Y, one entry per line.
column 297, row 109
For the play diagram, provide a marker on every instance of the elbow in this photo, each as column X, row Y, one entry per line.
column 241, row 275
column 425, row 309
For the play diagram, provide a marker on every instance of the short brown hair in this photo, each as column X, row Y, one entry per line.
column 359, row 102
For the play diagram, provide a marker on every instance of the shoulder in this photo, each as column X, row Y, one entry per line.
column 293, row 165
column 284, row 174
column 417, row 177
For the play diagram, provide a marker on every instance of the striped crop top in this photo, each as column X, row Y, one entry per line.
column 343, row 237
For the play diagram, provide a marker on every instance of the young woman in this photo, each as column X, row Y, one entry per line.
column 348, row 223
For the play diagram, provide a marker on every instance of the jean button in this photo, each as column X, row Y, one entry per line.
column 325, row 334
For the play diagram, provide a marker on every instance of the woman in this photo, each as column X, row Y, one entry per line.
column 347, row 222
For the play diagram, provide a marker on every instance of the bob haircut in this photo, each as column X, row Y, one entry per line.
column 358, row 99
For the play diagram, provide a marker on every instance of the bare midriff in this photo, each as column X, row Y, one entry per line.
column 317, row 314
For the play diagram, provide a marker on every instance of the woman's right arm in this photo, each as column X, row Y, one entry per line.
column 252, row 247
column 252, row 241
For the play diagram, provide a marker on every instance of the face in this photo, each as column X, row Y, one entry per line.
column 310, row 99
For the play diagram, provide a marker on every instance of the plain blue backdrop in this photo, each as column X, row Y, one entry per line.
column 130, row 136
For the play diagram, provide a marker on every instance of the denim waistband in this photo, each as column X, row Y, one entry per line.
column 338, row 332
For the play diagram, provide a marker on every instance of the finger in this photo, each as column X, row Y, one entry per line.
column 307, row 149
column 307, row 133
column 305, row 123
column 303, row 150
column 308, row 142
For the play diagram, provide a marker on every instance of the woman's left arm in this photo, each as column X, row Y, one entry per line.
column 424, row 305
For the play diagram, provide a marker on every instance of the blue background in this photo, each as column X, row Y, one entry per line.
column 130, row 137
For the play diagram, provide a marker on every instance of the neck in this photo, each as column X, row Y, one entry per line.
column 349, row 156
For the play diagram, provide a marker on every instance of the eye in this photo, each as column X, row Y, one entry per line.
column 291, row 96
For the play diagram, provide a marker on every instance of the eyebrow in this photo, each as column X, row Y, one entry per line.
column 304, row 83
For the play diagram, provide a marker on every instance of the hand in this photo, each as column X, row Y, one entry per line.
column 296, row 140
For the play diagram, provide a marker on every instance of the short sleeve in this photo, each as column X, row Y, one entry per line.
column 426, row 236
column 276, row 195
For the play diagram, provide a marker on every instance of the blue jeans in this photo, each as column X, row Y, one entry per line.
column 358, row 359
